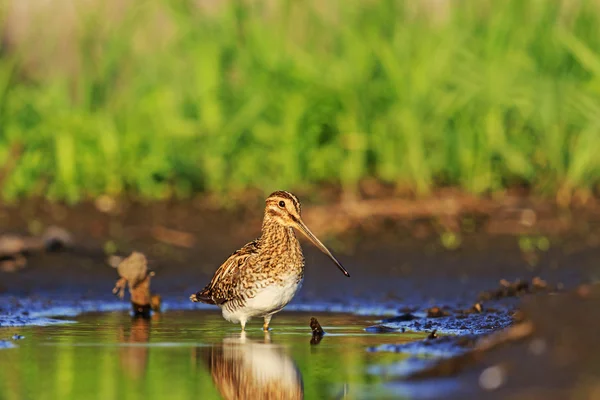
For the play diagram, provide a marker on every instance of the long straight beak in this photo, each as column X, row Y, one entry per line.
column 304, row 229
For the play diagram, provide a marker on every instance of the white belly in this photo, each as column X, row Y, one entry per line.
column 267, row 301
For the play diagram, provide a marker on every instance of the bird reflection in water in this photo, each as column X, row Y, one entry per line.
column 246, row 369
column 133, row 356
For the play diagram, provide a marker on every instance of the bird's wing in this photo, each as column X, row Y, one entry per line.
column 224, row 283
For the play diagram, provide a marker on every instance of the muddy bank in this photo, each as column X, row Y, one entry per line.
column 386, row 279
column 386, row 264
column 396, row 263
column 553, row 354
column 400, row 267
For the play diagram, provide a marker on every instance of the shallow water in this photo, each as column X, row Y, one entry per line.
column 196, row 354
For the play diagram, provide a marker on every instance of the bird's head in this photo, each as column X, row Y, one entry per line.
column 284, row 208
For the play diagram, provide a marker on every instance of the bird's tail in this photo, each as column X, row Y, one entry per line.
column 202, row 297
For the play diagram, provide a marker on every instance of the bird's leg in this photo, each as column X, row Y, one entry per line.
column 243, row 323
column 266, row 324
column 267, row 337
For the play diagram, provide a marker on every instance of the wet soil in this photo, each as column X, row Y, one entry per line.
column 399, row 267
column 553, row 355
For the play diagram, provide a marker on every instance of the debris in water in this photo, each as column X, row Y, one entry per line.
column 133, row 270
column 133, row 357
column 317, row 331
column 155, row 302
column 141, row 310
column 432, row 335
column 316, row 327
column 316, row 339
column 134, row 273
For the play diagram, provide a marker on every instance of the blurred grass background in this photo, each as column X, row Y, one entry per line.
column 174, row 97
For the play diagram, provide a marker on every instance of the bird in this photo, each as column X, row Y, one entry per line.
column 248, row 369
column 262, row 277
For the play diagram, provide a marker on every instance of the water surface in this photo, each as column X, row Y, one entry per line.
column 196, row 354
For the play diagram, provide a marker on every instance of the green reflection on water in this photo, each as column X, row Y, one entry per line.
column 193, row 354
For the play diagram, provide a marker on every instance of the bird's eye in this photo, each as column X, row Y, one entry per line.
column 282, row 204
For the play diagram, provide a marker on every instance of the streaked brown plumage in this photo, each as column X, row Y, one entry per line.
column 263, row 276
column 245, row 369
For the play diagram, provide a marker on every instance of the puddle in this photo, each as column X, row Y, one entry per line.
column 197, row 354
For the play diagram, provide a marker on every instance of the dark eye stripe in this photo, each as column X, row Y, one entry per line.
column 274, row 213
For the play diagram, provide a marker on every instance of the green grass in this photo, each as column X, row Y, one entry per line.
column 167, row 100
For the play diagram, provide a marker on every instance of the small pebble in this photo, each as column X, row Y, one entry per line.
column 316, row 327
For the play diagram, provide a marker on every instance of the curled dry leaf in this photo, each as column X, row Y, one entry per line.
column 132, row 270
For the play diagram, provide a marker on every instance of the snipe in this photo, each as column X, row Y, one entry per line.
column 262, row 277
column 247, row 369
